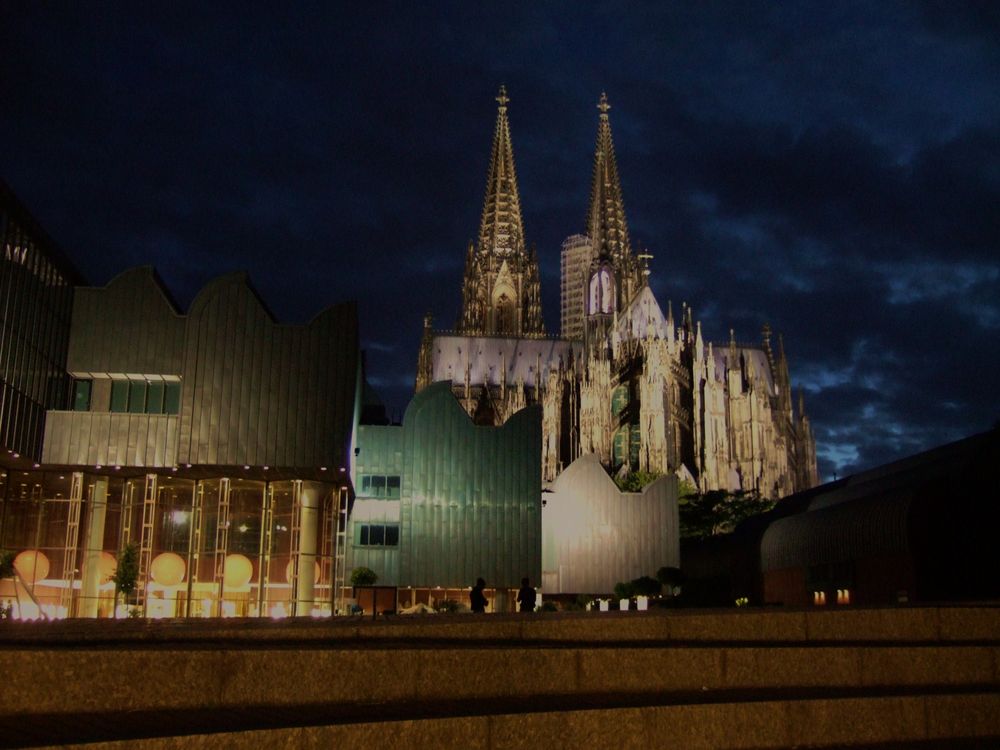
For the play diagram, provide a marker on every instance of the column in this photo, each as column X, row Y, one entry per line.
column 305, row 584
column 94, row 546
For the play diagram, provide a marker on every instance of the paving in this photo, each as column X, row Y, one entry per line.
column 745, row 678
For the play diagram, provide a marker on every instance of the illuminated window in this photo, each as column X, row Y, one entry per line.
column 819, row 598
column 843, row 596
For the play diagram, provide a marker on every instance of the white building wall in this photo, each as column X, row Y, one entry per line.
column 594, row 535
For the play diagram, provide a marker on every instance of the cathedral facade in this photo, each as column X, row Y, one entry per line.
column 641, row 390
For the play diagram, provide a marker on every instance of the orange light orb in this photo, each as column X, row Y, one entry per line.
column 236, row 571
column 288, row 572
column 107, row 565
column 32, row 565
column 167, row 569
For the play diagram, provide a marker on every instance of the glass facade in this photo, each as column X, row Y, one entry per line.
column 36, row 298
column 207, row 548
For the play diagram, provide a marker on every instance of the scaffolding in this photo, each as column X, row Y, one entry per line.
column 338, row 528
column 296, row 533
column 71, row 541
column 221, row 543
column 264, row 553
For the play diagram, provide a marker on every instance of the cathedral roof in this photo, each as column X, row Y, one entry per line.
column 487, row 356
column 642, row 317
column 754, row 356
column 606, row 219
column 501, row 228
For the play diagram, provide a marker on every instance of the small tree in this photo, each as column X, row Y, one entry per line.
column 645, row 586
column 635, row 481
column 363, row 577
column 624, row 590
column 126, row 575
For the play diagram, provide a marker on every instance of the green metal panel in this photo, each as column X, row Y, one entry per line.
column 470, row 502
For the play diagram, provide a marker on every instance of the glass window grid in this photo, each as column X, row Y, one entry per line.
column 380, row 485
column 376, row 535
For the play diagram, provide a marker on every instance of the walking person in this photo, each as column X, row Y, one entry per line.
column 477, row 599
column 526, row 596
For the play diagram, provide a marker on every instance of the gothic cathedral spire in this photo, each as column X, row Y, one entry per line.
column 501, row 294
column 501, row 229
column 606, row 224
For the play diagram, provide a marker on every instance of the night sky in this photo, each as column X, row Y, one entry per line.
column 832, row 169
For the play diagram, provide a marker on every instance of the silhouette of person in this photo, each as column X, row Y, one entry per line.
column 477, row 599
column 526, row 596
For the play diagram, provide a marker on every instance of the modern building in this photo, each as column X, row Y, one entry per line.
column 594, row 535
column 215, row 440
column 442, row 501
column 625, row 382
column 915, row 530
column 36, row 298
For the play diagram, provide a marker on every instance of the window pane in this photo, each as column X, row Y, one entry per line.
column 364, row 534
column 172, row 398
column 81, row 395
column 154, row 398
column 391, row 536
column 377, row 535
column 137, row 397
column 366, row 485
column 378, row 486
column 119, row 395
column 392, row 486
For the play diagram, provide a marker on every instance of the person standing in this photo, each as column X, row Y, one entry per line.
column 477, row 599
column 526, row 596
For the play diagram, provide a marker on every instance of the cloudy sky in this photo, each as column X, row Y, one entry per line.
column 832, row 169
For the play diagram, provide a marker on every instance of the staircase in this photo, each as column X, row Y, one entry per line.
column 924, row 677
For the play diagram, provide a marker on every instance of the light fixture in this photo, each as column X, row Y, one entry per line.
column 246, row 467
column 322, row 468
column 98, row 466
column 37, row 465
column 266, row 468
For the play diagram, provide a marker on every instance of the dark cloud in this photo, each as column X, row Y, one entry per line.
column 831, row 169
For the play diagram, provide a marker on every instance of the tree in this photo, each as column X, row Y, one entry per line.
column 646, row 586
column 624, row 590
column 126, row 575
column 718, row 511
column 634, row 481
column 363, row 577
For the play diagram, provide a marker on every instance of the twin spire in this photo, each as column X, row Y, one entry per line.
column 606, row 224
column 501, row 229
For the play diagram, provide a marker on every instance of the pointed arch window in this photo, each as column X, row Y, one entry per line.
column 602, row 291
column 504, row 314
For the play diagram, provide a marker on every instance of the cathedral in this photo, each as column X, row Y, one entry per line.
column 641, row 390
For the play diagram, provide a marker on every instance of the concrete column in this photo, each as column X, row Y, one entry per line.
column 305, row 585
column 93, row 547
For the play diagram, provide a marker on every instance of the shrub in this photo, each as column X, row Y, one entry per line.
column 645, row 586
column 363, row 577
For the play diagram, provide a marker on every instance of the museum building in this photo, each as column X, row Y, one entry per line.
column 216, row 440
